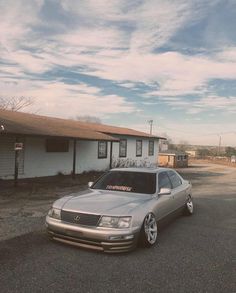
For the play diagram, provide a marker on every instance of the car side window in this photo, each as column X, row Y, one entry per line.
column 163, row 181
column 175, row 179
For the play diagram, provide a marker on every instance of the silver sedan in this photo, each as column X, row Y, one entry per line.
column 121, row 209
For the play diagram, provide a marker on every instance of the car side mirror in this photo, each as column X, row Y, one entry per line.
column 90, row 183
column 164, row 191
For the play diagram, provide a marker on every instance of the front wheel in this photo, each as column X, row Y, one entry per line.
column 188, row 211
column 148, row 233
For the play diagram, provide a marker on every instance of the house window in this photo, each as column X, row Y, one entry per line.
column 102, row 149
column 123, row 148
column 54, row 145
column 179, row 158
column 151, row 148
column 139, row 145
column 185, row 158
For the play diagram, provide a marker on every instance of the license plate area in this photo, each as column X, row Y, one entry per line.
column 76, row 234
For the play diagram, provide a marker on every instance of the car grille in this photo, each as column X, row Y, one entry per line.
column 80, row 218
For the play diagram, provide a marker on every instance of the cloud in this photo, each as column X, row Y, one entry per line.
column 63, row 100
column 107, row 50
column 156, row 23
column 203, row 104
column 93, row 38
column 17, row 17
column 227, row 54
column 225, row 104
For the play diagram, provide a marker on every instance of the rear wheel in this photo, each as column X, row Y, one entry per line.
column 148, row 234
column 188, row 211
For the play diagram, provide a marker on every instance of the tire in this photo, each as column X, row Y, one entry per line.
column 148, row 233
column 188, row 209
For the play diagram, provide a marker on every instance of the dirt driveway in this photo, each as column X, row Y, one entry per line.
column 211, row 180
column 23, row 210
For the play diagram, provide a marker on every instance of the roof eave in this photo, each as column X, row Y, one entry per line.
column 108, row 138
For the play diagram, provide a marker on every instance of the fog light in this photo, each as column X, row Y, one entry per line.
column 115, row 237
column 129, row 237
column 126, row 237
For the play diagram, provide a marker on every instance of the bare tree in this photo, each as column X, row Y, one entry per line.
column 88, row 118
column 183, row 145
column 169, row 141
column 15, row 103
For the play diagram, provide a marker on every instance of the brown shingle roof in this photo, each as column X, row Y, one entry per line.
column 25, row 123
column 30, row 124
column 114, row 129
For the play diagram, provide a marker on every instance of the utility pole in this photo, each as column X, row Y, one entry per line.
column 151, row 123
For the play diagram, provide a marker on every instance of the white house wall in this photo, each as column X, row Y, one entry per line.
column 38, row 162
column 144, row 160
column 87, row 157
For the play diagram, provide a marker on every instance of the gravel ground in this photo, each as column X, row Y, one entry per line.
column 23, row 209
column 21, row 215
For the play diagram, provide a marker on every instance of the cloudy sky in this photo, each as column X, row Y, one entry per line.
column 173, row 61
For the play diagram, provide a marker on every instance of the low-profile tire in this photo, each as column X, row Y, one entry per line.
column 148, row 233
column 188, row 209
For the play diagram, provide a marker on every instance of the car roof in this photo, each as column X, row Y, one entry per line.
column 142, row 169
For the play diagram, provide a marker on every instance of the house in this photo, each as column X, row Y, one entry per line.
column 192, row 153
column 173, row 158
column 35, row 146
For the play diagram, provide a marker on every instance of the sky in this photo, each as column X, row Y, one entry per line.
column 126, row 62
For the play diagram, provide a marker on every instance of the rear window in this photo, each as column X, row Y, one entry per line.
column 136, row 182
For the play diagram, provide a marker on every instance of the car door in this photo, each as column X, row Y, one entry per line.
column 178, row 189
column 165, row 203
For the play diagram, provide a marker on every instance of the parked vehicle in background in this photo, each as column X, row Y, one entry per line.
column 121, row 209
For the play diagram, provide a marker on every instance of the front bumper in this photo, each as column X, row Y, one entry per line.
column 97, row 238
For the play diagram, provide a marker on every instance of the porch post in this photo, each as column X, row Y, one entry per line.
column 16, row 165
column 111, row 148
column 74, row 158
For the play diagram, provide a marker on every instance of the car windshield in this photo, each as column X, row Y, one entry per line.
column 136, row 182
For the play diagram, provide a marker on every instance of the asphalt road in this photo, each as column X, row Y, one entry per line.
column 194, row 254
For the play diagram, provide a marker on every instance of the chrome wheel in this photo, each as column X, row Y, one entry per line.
column 189, row 205
column 150, row 228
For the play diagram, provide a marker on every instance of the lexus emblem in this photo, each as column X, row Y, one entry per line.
column 76, row 218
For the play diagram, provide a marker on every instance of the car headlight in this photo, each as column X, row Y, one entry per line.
column 55, row 213
column 115, row 222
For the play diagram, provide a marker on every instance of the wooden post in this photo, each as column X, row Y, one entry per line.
column 111, row 147
column 16, row 166
column 74, row 159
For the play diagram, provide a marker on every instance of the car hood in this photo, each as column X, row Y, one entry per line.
column 105, row 202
